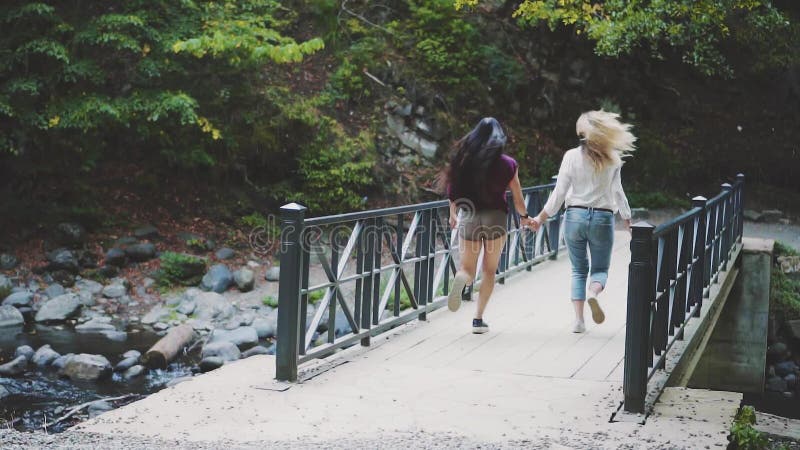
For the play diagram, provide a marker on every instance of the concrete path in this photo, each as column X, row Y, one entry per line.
column 529, row 382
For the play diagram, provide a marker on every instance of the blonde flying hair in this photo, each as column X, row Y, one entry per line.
column 605, row 139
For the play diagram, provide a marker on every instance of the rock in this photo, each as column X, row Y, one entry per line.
column 210, row 363
column 178, row 380
column 99, row 407
column 86, row 298
column 10, row 316
column 126, row 364
column 771, row 215
column 108, row 271
column 156, row 314
column 132, row 354
column 785, row 368
column 61, row 361
column 24, row 350
column 227, row 351
column 114, row 291
column 16, row 367
column 63, row 259
column 225, row 253
column 211, row 305
column 160, row 326
column 141, row 252
column 146, row 232
column 242, row 336
column 44, row 356
column 90, row 286
column 776, row 384
column 7, row 261
column 70, row 234
column 218, row 279
column 133, row 372
column 753, row 216
column 94, row 325
column 85, row 367
column 116, row 257
column 253, row 265
column 273, row 274
column 5, row 282
column 187, row 307
column 257, row 350
column 265, row 328
column 4, row 392
column 23, row 298
column 54, row 290
column 125, row 241
column 59, row 308
column 791, row 380
column 245, row 279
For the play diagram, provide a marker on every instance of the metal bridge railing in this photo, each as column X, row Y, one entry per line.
column 372, row 263
column 671, row 271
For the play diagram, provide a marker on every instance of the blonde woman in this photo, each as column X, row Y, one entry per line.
column 589, row 181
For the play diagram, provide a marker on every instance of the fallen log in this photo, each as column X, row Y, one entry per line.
column 80, row 407
column 169, row 346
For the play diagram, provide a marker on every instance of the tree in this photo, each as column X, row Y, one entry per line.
column 696, row 29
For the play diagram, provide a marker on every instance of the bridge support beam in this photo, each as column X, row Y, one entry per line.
column 641, row 289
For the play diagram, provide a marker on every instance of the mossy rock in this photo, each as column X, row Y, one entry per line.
column 180, row 268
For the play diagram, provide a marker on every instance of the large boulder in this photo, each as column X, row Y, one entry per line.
column 225, row 253
column 59, row 309
column 44, row 356
column 146, row 232
column 210, row 305
column 245, row 279
column 133, row 372
column 22, row 298
column 141, row 252
column 114, row 290
column 217, row 279
column 210, row 363
column 7, row 261
column 242, row 336
column 63, row 259
column 16, row 367
column 10, row 316
column 257, row 350
column 126, row 364
column 61, row 361
column 227, row 351
column 186, row 307
column 94, row 325
column 265, row 327
column 85, row 367
column 70, row 234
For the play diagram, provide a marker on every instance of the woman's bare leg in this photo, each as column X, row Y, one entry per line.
column 492, row 250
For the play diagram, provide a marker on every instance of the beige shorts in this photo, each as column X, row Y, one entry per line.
column 488, row 224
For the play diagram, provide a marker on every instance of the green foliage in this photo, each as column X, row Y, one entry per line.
column 405, row 300
column 655, row 200
column 315, row 296
column 697, row 30
column 170, row 78
column 270, row 301
column 180, row 269
column 5, row 291
column 743, row 435
column 784, row 290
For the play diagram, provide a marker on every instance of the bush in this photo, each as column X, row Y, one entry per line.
column 5, row 291
column 784, row 290
column 180, row 268
column 743, row 435
column 270, row 301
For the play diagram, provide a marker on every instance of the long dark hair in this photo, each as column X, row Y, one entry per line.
column 471, row 158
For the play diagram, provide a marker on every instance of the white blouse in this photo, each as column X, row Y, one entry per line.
column 579, row 184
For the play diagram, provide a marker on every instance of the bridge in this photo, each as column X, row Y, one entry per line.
column 376, row 362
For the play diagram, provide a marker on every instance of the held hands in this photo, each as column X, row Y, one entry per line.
column 533, row 223
column 453, row 221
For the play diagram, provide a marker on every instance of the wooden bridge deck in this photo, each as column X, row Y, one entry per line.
column 529, row 382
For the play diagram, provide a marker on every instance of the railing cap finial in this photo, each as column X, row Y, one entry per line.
column 643, row 224
column 293, row 207
column 727, row 186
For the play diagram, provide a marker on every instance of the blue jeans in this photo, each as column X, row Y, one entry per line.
column 593, row 229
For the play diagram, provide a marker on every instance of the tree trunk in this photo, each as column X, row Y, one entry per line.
column 168, row 347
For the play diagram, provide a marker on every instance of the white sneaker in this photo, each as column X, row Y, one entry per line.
column 454, row 298
column 578, row 326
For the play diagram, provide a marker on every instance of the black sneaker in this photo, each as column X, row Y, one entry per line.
column 479, row 326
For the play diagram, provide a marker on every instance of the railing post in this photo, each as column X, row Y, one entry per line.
column 740, row 208
column 698, row 279
column 554, row 227
column 292, row 218
column 727, row 223
column 641, row 291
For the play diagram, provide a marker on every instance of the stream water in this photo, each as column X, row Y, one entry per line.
column 39, row 396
